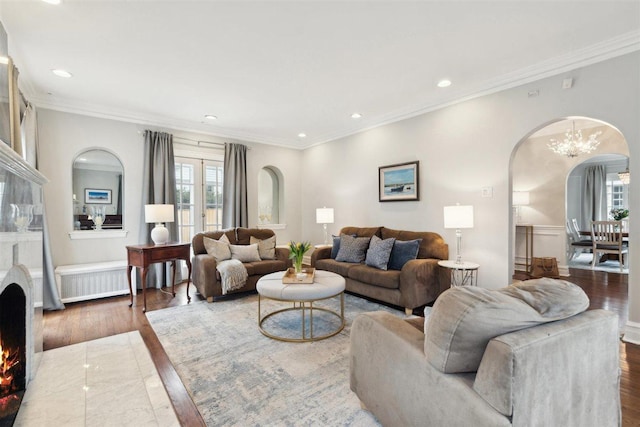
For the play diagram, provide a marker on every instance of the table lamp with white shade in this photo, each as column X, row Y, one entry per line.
column 458, row 217
column 324, row 216
column 159, row 214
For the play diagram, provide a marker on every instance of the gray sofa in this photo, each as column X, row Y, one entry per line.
column 418, row 283
column 206, row 278
column 561, row 373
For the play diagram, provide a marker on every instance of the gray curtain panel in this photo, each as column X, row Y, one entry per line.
column 159, row 187
column 234, row 194
column 594, row 195
column 29, row 131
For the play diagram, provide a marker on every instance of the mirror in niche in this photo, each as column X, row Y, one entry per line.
column 97, row 188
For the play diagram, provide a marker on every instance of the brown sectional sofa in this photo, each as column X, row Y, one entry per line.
column 206, row 278
column 418, row 283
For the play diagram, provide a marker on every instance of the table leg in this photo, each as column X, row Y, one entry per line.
column 130, row 288
column 173, row 277
column 188, row 278
column 144, row 289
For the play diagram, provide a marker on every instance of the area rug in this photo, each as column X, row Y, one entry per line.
column 583, row 262
column 238, row 377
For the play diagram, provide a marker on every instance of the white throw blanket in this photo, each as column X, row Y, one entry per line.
column 233, row 275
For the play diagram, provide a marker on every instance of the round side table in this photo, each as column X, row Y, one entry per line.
column 462, row 274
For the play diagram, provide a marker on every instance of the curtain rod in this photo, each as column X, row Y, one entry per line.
column 198, row 142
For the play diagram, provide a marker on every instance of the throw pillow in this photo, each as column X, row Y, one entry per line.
column 352, row 249
column 403, row 251
column 245, row 253
column 465, row 319
column 336, row 245
column 266, row 247
column 219, row 249
column 379, row 252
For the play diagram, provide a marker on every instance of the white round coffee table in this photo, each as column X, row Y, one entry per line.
column 325, row 285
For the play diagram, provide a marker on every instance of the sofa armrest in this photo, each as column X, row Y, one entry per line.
column 421, row 281
column 282, row 254
column 560, row 373
column 203, row 273
column 320, row 253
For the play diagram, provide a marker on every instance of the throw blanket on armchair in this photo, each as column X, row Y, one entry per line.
column 233, row 275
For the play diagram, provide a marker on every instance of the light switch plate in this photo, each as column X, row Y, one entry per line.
column 487, row 191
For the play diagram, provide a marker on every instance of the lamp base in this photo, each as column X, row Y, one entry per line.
column 160, row 234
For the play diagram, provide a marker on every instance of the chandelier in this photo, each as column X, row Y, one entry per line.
column 573, row 144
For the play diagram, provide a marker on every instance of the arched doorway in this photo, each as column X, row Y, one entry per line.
column 543, row 175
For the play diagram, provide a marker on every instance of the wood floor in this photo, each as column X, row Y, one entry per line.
column 86, row 321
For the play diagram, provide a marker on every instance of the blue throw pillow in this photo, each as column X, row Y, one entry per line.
column 402, row 252
column 379, row 252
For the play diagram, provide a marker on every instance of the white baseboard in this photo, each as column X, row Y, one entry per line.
column 632, row 333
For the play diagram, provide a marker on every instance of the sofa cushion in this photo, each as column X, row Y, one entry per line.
column 372, row 276
column 352, row 249
column 245, row 253
column 465, row 319
column 402, row 252
column 244, row 234
column 219, row 249
column 341, row 268
column 379, row 252
column 266, row 266
column 361, row 231
column 266, row 247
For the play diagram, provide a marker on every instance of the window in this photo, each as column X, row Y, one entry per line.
column 199, row 196
column 617, row 193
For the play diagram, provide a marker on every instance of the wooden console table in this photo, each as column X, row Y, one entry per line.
column 142, row 256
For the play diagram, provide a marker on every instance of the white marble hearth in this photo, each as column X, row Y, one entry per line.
column 109, row 381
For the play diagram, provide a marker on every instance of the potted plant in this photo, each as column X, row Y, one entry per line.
column 618, row 214
column 296, row 252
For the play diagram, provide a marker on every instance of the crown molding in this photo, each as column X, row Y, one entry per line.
column 618, row 46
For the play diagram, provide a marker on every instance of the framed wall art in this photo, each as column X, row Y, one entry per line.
column 399, row 182
column 96, row 196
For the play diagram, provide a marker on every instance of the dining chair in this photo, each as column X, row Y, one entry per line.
column 607, row 239
column 577, row 243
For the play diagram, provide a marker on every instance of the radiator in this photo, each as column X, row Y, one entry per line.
column 89, row 281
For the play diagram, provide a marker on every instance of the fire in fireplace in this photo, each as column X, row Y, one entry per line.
column 12, row 352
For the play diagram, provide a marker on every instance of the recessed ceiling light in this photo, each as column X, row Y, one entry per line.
column 302, row 135
column 211, row 117
column 52, row 1
column 356, row 115
column 62, row 73
column 444, row 83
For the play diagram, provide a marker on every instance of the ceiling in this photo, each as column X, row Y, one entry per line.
column 271, row 70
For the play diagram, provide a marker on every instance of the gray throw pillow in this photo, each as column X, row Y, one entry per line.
column 219, row 249
column 266, row 247
column 465, row 319
column 402, row 252
column 379, row 252
column 352, row 249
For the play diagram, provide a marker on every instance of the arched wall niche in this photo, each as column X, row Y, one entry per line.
column 270, row 196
